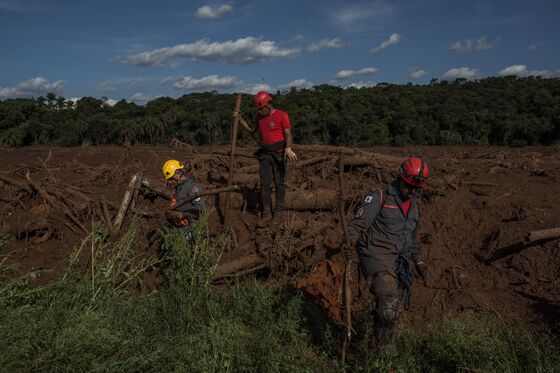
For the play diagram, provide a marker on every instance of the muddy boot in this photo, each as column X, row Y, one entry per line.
column 280, row 215
column 383, row 336
column 265, row 220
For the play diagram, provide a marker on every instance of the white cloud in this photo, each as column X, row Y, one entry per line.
column 349, row 15
column 416, row 73
column 298, row 83
column 360, row 84
column 106, row 86
column 335, row 43
column 240, row 51
column 461, row 72
column 393, row 39
column 255, row 88
column 32, row 88
column 533, row 47
column 471, row 45
column 140, row 97
column 209, row 82
column 522, row 70
column 346, row 74
column 208, row 12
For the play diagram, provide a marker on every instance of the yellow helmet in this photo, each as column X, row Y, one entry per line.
column 170, row 167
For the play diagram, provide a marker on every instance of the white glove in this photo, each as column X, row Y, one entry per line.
column 290, row 154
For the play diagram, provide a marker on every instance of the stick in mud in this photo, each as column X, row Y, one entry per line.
column 347, row 289
column 127, row 198
column 531, row 239
column 232, row 156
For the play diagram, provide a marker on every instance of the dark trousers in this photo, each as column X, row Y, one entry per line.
column 272, row 166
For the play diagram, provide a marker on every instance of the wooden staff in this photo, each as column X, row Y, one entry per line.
column 231, row 156
column 347, row 289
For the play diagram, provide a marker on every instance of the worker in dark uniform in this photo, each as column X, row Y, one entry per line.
column 384, row 234
column 274, row 129
column 186, row 216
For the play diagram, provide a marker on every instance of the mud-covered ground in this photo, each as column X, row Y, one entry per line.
column 480, row 200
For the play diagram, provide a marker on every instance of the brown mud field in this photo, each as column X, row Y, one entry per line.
column 476, row 213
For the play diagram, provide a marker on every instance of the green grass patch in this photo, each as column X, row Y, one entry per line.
column 98, row 317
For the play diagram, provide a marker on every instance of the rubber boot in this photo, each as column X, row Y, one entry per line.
column 265, row 220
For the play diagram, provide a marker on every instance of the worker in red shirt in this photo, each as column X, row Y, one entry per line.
column 275, row 140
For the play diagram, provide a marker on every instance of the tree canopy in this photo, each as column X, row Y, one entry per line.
column 493, row 111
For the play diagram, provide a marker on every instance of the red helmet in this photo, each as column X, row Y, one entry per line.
column 414, row 171
column 262, row 99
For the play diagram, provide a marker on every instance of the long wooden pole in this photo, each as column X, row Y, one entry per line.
column 347, row 289
column 232, row 156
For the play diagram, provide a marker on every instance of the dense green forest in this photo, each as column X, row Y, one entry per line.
column 493, row 111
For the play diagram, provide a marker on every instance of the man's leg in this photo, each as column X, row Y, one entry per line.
column 266, row 171
column 279, row 180
column 385, row 288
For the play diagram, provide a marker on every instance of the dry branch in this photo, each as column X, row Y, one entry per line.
column 531, row 239
column 159, row 191
column 15, row 183
column 127, row 198
column 206, row 193
column 42, row 192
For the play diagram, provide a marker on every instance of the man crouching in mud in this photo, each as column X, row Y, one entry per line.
column 186, row 216
column 383, row 232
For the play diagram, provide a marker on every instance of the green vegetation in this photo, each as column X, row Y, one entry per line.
column 102, row 319
column 493, row 111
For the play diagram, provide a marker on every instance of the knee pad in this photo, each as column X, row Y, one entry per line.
column 387, row 309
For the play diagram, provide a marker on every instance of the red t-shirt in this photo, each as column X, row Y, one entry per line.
column 406, row 206
column 271, row 128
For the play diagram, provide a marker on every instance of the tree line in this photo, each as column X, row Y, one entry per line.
column 493, row 111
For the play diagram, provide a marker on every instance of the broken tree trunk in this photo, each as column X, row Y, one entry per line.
column 127, row 198
column 15, row 183
column 532, row 238
column 327, row 149
column 237, row 265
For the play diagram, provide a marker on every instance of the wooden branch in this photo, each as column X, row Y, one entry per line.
column 106, row 215
column 205, row 193
column 232, row 156
column 127, row 198
column 42, row 192
column 15, row 183
column 159, row 191
column 531, row 239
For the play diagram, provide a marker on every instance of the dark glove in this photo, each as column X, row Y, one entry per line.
column 348, row 251
column 422, row 271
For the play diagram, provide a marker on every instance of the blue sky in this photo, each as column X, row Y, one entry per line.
column 138, row 50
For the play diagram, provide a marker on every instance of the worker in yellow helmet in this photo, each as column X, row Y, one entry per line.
column 186, row 216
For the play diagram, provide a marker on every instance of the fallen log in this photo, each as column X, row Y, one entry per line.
column 310, row 162
column 42, row 192
column 299, row 200
column 327, row 149
column 238, row 265
column 127, row 198
column 240, row 178
column 15, row 183
column 531, row 239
